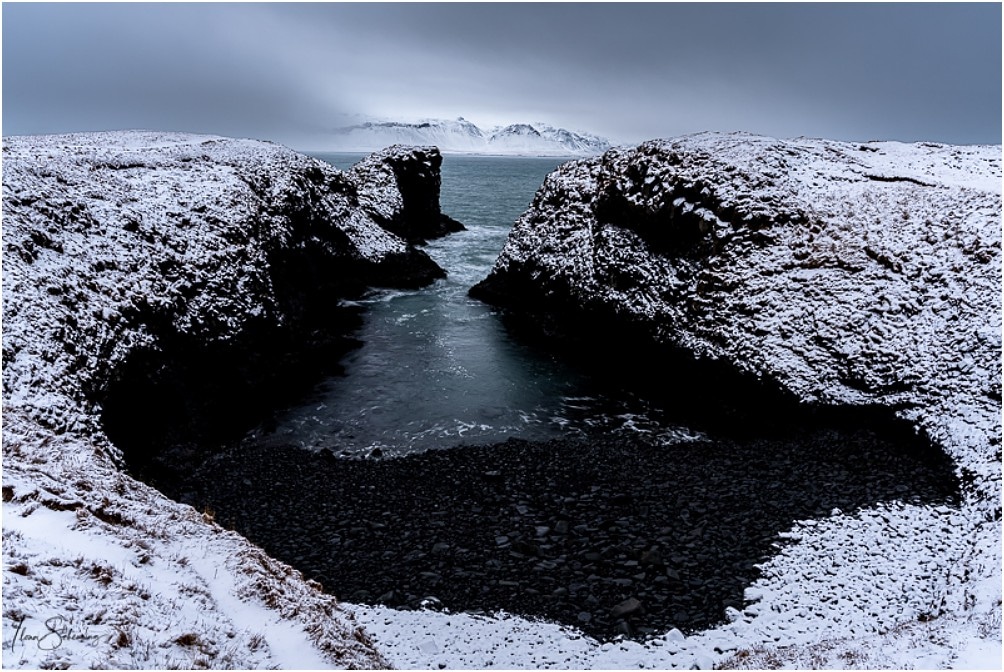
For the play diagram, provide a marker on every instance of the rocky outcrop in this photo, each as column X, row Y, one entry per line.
column 159, row 288
column 849, row 274
column 836, row 274
column 399, row 188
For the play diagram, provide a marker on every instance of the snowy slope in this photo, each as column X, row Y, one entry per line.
column 848, row 274
column 462, row 137
column 111, row 241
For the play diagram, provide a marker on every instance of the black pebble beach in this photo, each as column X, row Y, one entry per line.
column 612, row 536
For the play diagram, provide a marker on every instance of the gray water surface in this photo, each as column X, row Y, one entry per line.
column 437, row 369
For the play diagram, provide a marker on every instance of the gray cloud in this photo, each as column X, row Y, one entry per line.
column 288, row 72
column 175, row 67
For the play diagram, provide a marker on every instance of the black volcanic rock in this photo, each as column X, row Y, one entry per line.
column 399, row 188
column 553, row 537
column 159, row 290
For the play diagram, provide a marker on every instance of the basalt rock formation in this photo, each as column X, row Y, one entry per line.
column 399, row 188
column 161, row 290
column 829, row 274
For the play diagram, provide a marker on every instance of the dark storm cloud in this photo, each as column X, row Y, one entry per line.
column 628, row 71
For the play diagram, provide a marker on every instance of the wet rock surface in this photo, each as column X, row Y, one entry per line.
column 614, row 537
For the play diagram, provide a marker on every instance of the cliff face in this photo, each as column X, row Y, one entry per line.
column 839, row 274
column 849, row 274
column 400, row 190
column 125, row 253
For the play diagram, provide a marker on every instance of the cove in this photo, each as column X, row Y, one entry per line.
column 564, row 530
column 562, row 484
column 437, row 368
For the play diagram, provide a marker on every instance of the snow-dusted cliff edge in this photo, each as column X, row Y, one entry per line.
column 121, row 243
column 850, row 274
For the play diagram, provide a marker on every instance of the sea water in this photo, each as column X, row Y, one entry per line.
column 438, row 369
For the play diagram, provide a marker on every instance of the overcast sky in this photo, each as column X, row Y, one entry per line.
column 629, row 72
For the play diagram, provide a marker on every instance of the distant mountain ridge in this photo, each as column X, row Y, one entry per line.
column 462, row 136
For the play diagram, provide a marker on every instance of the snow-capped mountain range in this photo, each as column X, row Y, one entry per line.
column 463, row 137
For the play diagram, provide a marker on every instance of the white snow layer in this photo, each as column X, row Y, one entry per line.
column 142, row 581
column 100, row 570
column 850, row 273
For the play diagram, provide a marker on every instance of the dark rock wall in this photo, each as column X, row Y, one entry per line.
column 188, row 283
column 400, row 189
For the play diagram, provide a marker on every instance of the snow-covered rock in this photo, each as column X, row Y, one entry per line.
column 463, row 137
column 120, row 243
column 845, row 275
column 399, row 187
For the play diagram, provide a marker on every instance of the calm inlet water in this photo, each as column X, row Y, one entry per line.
column 437, row 368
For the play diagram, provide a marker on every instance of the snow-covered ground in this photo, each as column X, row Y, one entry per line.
column 849, row 274
column 889, row 254
column 107, row 236
column 128, row 579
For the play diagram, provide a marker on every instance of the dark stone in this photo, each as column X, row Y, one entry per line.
column 525, row 548
column 416, row 175
column 652, row 557
column 309, row 500
column 621, row 499
column 626, row 608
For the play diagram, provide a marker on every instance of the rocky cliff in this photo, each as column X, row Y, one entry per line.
column 399, row 188
column 835, row 274
column 159, row 288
